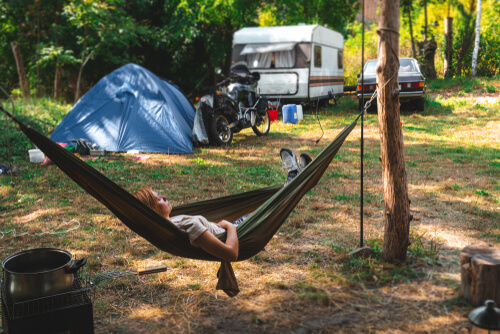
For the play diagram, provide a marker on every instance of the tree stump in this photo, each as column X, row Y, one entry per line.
column 480, row 273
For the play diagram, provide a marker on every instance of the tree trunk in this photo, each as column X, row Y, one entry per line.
column 466, row 40
column 396, row 203
column 82, row 64
column 38, row 38
column 57, row 80
column 425, row 20
column 23, row 81
column 430, row 47
column 448, row 33
column 476, row 42
column 480, row 273
column 411, row 33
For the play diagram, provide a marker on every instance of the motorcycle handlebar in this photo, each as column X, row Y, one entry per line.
column 223, row 82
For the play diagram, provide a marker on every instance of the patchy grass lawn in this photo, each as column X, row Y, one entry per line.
column 302, row 282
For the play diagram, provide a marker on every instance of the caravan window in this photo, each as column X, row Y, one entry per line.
column 281, row 55
column 302, row 55
column 340, row 59
column 317, row 56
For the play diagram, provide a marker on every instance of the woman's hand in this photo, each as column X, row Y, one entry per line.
column 225, row 224
column 227, row 251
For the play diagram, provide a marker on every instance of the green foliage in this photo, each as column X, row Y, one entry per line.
column 51, row 55
column 335, row 14
column 461, row 83
column 352, row 50
column 184, row 40
column 42, row 114
column 102, row 27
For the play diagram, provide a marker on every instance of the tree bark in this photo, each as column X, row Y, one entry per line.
column 57, row 80
column 429, row 52
column 466, row 40
column 411, row 33
column 476, row 42
column 448, row 33
column 480, row 273
column 425, row 20
column 23, row 81
column 396, row 203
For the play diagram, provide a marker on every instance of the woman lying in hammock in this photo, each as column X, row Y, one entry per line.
column 200, row 231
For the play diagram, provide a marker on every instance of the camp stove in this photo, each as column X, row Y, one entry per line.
column 69, row 312
column 66, row 313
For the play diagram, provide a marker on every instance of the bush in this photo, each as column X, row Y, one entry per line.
column 490, row 89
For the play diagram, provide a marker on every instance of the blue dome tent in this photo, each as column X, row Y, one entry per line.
column 131, row 109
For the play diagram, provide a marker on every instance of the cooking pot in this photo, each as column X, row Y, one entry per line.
column 40, row 272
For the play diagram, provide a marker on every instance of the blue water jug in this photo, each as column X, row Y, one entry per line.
column 290, row 113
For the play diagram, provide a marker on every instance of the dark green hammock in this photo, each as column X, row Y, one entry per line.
column 269, row 207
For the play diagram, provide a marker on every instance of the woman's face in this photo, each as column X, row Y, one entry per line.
column 164, row 204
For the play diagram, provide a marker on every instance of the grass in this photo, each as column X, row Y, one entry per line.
column 304, row 280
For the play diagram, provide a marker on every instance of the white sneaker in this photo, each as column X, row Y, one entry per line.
column 290, row 161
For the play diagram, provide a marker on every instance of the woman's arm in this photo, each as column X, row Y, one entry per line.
column 226, row 251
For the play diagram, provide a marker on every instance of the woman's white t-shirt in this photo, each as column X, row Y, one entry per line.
column 194, row 226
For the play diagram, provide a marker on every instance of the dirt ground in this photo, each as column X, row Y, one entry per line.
column 303, row 282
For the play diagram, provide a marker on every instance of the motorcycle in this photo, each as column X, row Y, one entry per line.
column 233, row 107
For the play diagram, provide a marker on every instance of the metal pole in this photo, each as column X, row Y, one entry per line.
column 362, row 122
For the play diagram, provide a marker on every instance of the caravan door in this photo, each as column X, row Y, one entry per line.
column 326, row 74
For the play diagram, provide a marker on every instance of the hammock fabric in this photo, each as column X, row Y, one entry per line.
column 269, row 207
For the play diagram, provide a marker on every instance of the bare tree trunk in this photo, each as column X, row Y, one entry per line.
column 466, row 40
column 476, row 42
column 448, row 32
column 57, row 80
column 38, row 33
column 23, row 81
column 82, row 64
column 396, row 203
column 411, row 35
column 425, row 23
column 429, row 53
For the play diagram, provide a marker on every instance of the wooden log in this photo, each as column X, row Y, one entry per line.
column 480, row 273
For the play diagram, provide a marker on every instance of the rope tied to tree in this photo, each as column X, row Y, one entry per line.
column 382, row 36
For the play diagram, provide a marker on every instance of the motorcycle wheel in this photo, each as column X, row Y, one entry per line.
column 220, row 134
column 262, row 125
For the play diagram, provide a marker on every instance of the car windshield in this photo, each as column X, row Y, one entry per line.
column 405, row 65
column 370, row 67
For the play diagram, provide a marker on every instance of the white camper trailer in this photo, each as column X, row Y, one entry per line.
column 300, row 63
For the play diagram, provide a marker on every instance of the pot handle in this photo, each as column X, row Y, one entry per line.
column 151, row 270
column 76, row 266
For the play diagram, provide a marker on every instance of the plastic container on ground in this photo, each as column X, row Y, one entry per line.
column 273, row 112
column 36, row 156
column 99, row 152
column 290, row 113
column 300, row 114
